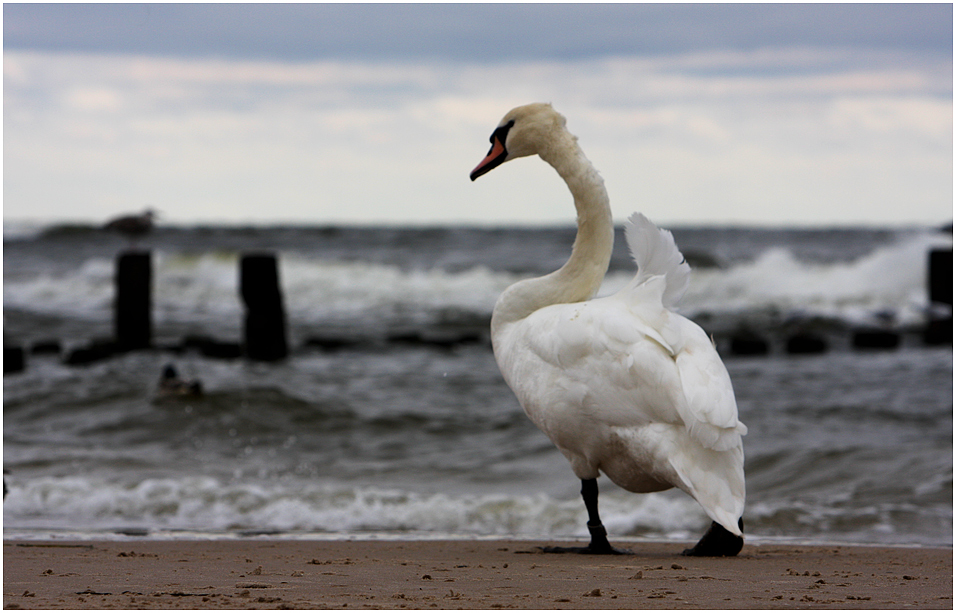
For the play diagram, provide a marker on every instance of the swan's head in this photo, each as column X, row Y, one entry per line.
column 524, row 131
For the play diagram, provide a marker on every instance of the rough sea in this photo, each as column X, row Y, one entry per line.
column 389, row 419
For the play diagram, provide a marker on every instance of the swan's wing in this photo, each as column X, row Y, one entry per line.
column 595, row 356
column 638, row 362
column 627, row 360
column 656, row 254
column 709, row 409
column 701, row 394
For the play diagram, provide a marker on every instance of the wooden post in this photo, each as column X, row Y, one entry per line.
column 806, row 342
column 880, row 340
column 265, row 333
column 132, row 316
column 13, row 359
column 939, row 328
column 746, row 342
column 941, row 276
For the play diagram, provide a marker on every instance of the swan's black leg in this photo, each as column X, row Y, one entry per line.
column 599, row 543
column 717, row 541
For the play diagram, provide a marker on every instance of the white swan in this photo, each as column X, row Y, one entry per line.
column 622, row 384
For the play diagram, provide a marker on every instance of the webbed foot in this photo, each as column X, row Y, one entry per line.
column 717, row 541
column 599, row 544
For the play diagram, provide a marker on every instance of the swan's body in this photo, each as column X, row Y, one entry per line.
column 622, row 384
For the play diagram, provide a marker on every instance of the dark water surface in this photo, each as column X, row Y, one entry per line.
column 391, row 435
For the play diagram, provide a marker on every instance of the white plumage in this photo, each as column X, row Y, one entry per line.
column 623, row 385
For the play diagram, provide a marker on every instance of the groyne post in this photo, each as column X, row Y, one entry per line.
column 939, row 329
column 133, row 307
column 265, row 329
column 13, row 359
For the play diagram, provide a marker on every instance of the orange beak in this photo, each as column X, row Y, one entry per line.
column 495, row 157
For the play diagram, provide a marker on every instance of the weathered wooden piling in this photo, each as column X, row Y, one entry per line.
column 941, row 276
column 47, row 347
column 13, row 359
column 939, row 329
column 806, row 343
column 875, row 339
column 265, row 329
column 133, row 309
column 746, row 342
column 94, row 351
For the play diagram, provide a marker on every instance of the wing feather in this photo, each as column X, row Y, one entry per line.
column 655, row 252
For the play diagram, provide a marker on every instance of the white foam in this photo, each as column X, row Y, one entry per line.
column 203, row 503
column 888, row 281
column 315, row 289
column 203, row 289
column 86, row 292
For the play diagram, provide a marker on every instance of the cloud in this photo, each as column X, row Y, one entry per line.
column 467, row 32
column 786, row 136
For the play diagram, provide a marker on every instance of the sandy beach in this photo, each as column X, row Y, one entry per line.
column 466, row 574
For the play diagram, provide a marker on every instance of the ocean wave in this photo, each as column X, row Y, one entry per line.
column 318, row 289
column 888, row 284
column 209, row 505
column 202, row 503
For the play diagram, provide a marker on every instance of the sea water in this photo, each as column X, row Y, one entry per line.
column 390, row 418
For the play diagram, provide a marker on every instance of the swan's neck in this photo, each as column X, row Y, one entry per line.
column 581, row 276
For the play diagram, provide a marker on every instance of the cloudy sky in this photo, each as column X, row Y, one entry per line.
column 756, row 114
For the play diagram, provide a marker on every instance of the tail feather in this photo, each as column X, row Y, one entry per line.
column 655, row 253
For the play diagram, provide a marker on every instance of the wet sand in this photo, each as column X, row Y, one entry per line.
column 466, row 574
